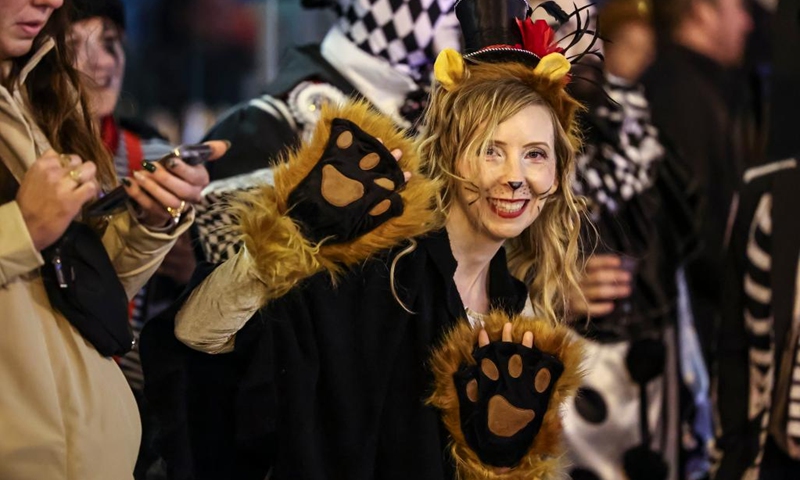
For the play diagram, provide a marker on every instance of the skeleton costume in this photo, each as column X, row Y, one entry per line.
column 757, row 397
column 342, row 346
column 380, row 50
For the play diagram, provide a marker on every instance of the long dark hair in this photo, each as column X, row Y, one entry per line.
column 57, row 100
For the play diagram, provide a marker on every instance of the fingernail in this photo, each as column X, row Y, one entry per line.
column 150, row 167
column 126, row 182
column 227, row 144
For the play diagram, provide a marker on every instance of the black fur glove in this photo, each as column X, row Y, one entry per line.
column 351, row 190
column 501, row 402
column 503, row 399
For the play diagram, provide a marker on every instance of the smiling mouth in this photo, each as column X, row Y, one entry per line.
column 508, row 208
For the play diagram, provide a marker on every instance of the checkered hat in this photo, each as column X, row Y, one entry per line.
column 402, row 31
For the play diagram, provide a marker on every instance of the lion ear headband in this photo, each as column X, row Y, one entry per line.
column 500, row 31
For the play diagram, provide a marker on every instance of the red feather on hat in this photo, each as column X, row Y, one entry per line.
column 538, row 37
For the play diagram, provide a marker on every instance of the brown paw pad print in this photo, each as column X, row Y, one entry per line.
column 341, row 191
column 351, row 190
column 503, row 399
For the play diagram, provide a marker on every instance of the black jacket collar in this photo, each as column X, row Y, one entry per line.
column 307, row 63
column 505, row 292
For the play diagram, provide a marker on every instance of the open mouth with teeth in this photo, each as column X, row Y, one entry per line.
column 508, row 208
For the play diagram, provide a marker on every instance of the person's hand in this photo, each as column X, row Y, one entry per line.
column 504, row 395
column 527, row 337
column 179, row 264
column 163, row 193
column 605, row 281
column 351, row 190
column 52, row 193
column 527, row 341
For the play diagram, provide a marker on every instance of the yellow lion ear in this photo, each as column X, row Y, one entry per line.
column 449, row 68
column 553, row 67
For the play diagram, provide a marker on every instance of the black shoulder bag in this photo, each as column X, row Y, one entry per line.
column 82, row 284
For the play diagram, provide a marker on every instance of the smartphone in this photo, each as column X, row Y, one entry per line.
column 114, row 200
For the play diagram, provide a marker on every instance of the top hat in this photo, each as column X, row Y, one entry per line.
column 497, row 31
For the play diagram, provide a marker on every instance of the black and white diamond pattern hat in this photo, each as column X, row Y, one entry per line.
column 404, row 32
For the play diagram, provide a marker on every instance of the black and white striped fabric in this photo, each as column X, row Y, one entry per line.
column 758, row 332
column 793, row 411
column 401, row 31
column 131, row 365
column 760, row 324
column 152, row 149
column 758, row 318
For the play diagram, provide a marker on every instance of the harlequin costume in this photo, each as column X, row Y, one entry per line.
column 352, row 357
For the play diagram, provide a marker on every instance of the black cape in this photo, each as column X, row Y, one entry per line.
column 325, row 382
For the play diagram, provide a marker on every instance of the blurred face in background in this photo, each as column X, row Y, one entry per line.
column 20, row 23
column 631, row 49
column 99, row 56
column 731, row 28
column 723, row 26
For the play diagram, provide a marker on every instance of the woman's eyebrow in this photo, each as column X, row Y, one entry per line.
column 527, row 145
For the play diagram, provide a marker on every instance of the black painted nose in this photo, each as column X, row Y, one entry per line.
column 514, row 185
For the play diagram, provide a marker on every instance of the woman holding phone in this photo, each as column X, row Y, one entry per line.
column 65, row 409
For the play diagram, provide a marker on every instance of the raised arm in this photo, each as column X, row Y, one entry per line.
column 338, row 200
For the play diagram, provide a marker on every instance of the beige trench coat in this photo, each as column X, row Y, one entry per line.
column 66, row 412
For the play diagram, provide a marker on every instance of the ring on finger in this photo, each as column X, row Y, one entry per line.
column 176, row 213
column 76, row 175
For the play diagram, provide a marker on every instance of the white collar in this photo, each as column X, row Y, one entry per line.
column 374, row 77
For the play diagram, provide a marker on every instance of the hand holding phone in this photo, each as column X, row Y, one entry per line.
column 115, row 200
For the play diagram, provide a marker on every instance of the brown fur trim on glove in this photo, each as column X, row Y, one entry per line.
column 543, row 459
column 282, row 255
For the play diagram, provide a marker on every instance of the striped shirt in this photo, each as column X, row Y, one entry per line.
column 130, row 363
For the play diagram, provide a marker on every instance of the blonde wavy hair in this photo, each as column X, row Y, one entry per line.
column 461, row 120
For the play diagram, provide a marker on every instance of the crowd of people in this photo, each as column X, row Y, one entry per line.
column 471, row 239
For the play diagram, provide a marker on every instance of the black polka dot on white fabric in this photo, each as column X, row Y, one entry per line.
column 590, row 405
column 583, row 474
column 641, row 463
